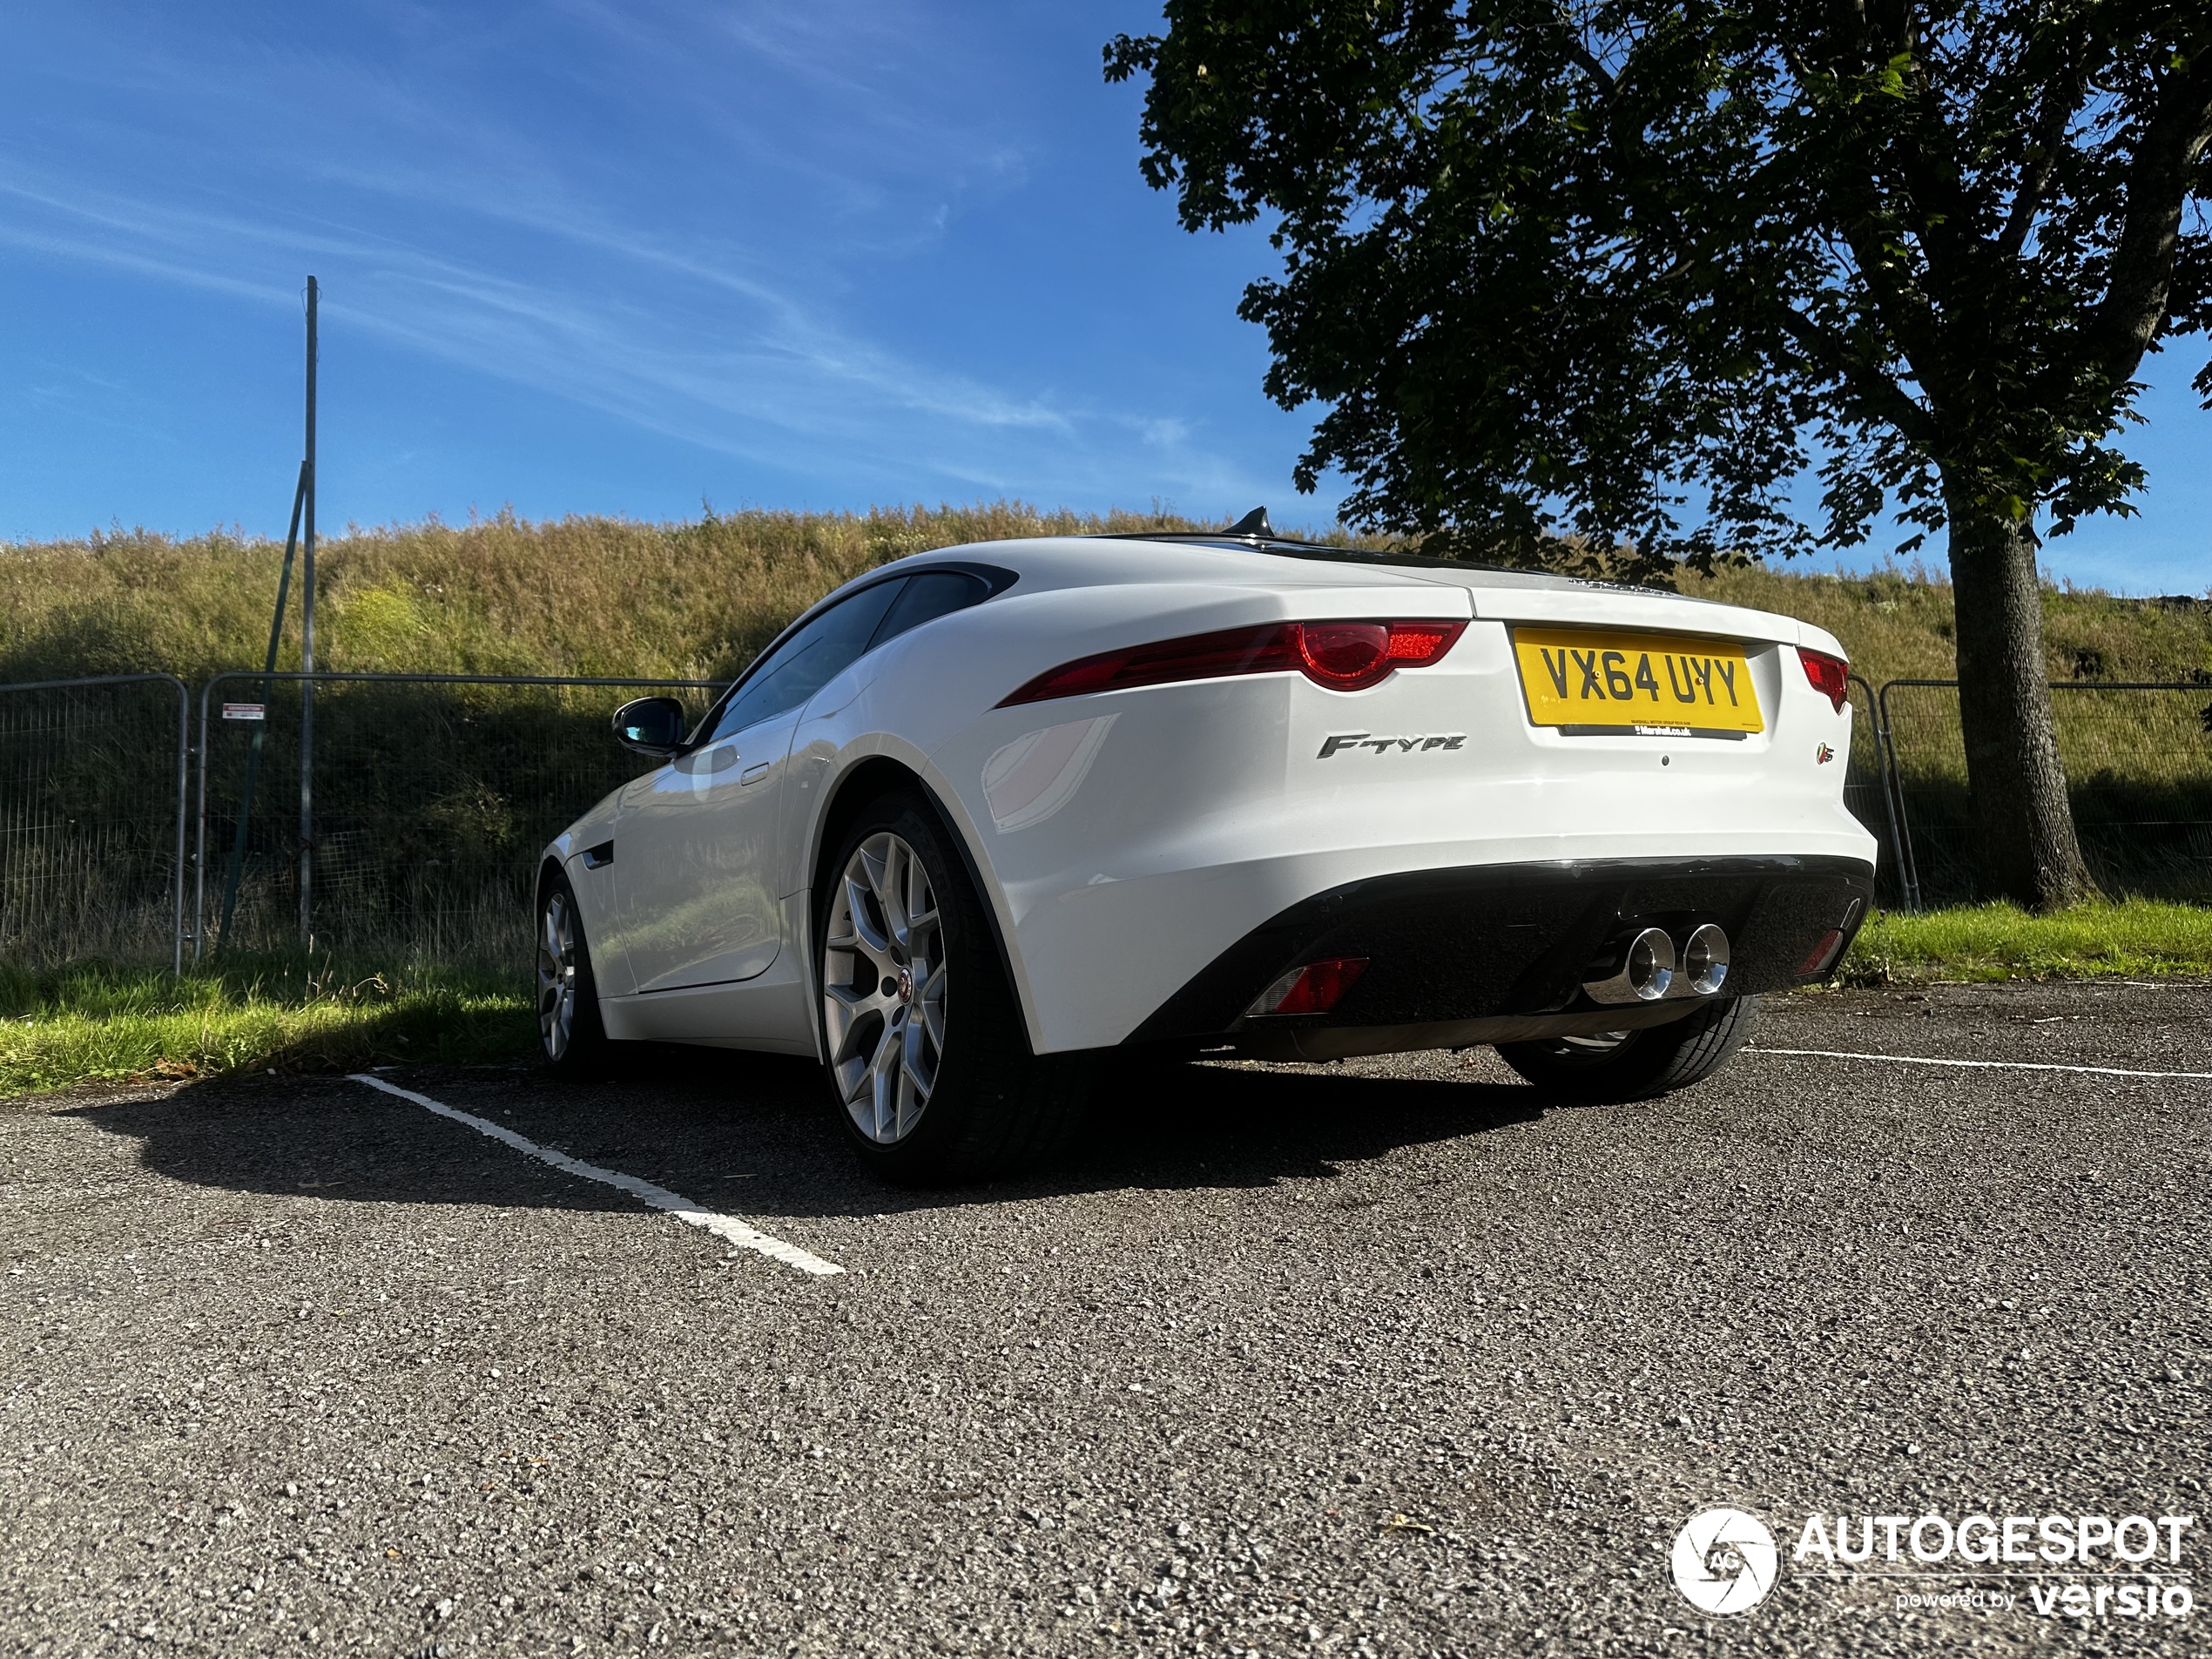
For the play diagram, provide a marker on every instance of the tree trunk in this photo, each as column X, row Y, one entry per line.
column 2025, row 823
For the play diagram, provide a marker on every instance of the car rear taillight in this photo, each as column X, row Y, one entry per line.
column 1343, row 653
column 1831, row 676
column 1314, row 988
column 1343, row 656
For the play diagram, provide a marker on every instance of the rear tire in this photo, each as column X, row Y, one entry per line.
column 929, row 1065
column 571, row 1036
column 1638, row 1064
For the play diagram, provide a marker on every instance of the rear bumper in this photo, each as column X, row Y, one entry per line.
column 1499, row 952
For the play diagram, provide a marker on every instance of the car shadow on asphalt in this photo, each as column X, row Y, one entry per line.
column 755, row 1135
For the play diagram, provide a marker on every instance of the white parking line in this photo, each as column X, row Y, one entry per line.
column 723, row 1227
column 1982, row 1065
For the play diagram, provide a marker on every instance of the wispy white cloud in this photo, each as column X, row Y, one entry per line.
column 686, row 219
column 614, row 353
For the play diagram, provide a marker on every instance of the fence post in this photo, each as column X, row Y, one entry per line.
column 183, row 796
column 1909, row 868
column 307, row 654
column 1888, row 805
column 200, row 837
column 253, row 755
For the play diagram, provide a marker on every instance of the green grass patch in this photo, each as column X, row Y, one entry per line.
column 73, row 1025
column 2137, row 938
column 294, row 1014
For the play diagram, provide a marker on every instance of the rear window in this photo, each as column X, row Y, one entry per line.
column 809, row 659
column 928, row 596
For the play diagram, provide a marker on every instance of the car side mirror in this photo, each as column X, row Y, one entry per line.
column 652, row 725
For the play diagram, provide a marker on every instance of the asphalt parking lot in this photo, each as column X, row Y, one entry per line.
column 1390, row 1358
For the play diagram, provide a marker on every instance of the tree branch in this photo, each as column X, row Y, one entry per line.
column 1878, row 391
column 1578, row 50
column 1899, row 306
column 2061, row 101
column 2158, row 185
column 1942, row 211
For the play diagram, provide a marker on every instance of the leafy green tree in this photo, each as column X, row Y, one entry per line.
column 1621, row 272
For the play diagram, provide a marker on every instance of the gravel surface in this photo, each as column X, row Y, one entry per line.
column 1392, row 1356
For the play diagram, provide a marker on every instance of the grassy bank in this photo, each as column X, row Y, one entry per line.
column 594, row 595
column 78, row 1024
column 1898, row 623
column 2137, row 939
column 585, row 595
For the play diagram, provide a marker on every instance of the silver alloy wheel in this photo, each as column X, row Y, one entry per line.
column 556, row 976
column 883, row 988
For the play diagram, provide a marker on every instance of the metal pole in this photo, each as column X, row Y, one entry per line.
column 254, row 754
column 184, row 796
column 307, row 654
column 1913, row 900
column 199, row 842
column 1888, row 730
column 1881, row 781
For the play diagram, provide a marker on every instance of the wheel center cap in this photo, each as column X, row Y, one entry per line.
column 905, row 984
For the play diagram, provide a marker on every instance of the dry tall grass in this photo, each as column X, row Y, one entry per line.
column 501, row 596
column 1897, row 624
column 597, row 596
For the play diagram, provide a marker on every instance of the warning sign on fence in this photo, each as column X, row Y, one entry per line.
column 246, row 711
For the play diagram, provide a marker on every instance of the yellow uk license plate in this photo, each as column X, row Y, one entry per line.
column 1592, row 681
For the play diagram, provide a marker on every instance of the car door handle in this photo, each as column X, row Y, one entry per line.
column 752, row 774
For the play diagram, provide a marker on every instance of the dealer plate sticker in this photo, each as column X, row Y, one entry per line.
column 1592, row 682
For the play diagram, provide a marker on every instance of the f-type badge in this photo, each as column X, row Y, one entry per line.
column 1338, row 742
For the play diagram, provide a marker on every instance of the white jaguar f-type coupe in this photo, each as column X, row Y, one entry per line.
column 988, row 817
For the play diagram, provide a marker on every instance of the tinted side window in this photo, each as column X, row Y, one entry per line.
column 928, row 596
column 808, row 660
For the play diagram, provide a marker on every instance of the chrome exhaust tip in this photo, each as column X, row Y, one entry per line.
column 1704, row 962
column 1645, row 974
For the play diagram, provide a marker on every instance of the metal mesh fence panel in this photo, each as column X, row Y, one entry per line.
column 91, row 806
column 2138, row 761
column 434, row 794
column 433, row 799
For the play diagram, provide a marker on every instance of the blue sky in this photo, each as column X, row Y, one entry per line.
column 622, row 256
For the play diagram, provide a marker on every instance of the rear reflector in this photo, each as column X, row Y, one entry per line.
column 1343, row 656
column 1823, row 953
column 1831, row 676
column 1314, row 988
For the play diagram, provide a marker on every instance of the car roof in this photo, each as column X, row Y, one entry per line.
column 1180, row 556
column 1220, row 558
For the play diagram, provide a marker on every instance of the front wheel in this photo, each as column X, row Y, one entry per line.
column 1637, row 1065
column 929, row 1059
column 570, row 1033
